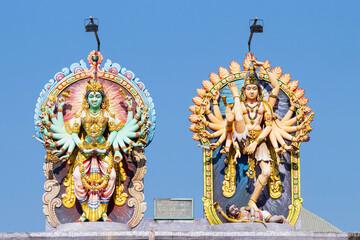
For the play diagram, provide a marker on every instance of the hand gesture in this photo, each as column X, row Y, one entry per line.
column 293, row 101
column 202, row 119
column 214, row 145
column 128, row 101
column 302, row 125
column 237, row 155
column 89, row 151
column 207, row 107
column 256, row 63
column 216, row 96
column 61, row 103
column 94, row 151
column 64, row 158
column 251, row 148
column 100, row 151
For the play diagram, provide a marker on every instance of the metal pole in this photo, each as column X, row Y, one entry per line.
column 96, row 35
column 251, row 33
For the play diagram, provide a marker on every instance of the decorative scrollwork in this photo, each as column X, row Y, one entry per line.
column 229, row 183
column 136, row 188
column 52, row 188
column 119, row 196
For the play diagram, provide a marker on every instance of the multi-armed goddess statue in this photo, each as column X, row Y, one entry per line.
column 94, row 124
column 258, row 128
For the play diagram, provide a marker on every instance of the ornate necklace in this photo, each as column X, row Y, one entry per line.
column 94, row 112
column 94, row 125
column 251, row 109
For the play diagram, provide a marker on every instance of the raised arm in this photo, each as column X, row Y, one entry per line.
column 211, row 116
column 274, row 82
column 130, row 114
column 216, row 108
column 56, row 130
column 291, row 110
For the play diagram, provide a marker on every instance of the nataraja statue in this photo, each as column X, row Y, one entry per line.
column 256, row 129
column 98, row 125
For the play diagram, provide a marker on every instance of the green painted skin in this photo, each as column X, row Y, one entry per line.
column 120, row 138
column 95, row 100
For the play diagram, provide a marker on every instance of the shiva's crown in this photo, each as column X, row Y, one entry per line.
column 251, row 76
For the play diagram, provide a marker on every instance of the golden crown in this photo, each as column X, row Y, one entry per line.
column 94, row 86
column 251, row 76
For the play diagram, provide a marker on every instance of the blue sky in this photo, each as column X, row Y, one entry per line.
column 172, row 46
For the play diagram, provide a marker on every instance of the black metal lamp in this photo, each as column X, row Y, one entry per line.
column 92, row 25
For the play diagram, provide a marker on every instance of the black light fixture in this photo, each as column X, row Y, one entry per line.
column 92, row 25
column 255, row 28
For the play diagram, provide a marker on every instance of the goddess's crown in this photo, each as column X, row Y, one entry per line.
column 94, row 86
column 251, row 76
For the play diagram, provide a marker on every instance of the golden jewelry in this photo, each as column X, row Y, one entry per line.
column 236, row 97
column 90, row 183
column 273, row 96
column 292, row 109
column 251, row 77
column 94, row 86
column 262, row 184
column 76, row 128
column 254, row 201
column 93, row 125
column 115, row 127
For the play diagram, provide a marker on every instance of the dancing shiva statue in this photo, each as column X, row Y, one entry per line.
column 251, row 138
column 94, row 125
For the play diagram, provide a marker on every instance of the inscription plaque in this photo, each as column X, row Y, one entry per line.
column 173, row 208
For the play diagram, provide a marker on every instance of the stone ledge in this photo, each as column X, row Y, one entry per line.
column 162, row 235
column 196, row 225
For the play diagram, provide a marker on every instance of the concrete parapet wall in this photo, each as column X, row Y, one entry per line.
column 176, row 230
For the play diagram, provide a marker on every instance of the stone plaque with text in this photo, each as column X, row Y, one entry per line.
column 173, row 208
